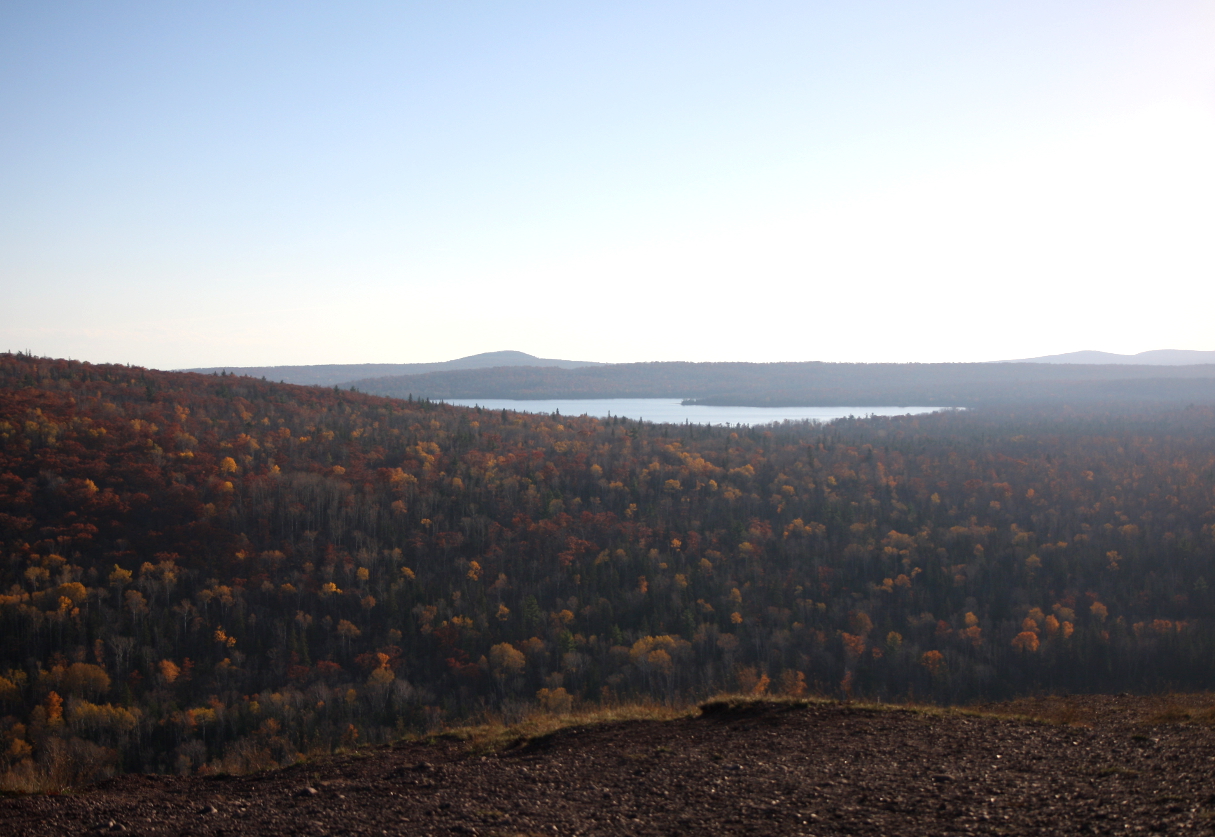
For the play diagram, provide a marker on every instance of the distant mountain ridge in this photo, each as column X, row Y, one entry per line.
column 331, row 374
column 1155, row 357
column 819, row 384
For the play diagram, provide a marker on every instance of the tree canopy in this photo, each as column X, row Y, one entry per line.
column 205, row 572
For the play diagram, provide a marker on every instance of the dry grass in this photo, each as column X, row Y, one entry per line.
column 1058, row 711
column 1081, row 710
column 1181, row 709
column 25, row 778
column 495, row 734
column 1054, row 711
column 728, row 702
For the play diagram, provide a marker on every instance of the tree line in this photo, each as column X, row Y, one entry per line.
column 821, row 384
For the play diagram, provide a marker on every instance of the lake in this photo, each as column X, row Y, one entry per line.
column 670, row 410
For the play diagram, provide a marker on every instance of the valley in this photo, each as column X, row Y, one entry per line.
column 213, row 575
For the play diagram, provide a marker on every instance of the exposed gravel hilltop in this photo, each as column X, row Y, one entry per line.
column 1098, row 765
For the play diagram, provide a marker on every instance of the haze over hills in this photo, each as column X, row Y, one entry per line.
column 1156, row 357
column 331, row 374
column 818, row 384
column 769, row 384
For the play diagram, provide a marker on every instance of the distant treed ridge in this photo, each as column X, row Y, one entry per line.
column 820, row 384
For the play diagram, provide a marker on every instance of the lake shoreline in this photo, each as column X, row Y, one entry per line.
column 680, row 411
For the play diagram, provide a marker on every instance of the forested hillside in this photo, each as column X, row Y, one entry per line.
column 207, row 573
column 821, row 384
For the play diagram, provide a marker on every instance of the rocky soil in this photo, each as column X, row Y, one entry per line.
column 1096, row 765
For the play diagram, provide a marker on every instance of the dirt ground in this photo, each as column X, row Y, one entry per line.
column 1097, row 765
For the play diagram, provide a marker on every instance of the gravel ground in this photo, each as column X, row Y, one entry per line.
column 1106, row 765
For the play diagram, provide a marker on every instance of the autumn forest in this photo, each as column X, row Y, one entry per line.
column 208, row 573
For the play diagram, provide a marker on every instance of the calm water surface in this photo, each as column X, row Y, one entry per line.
column 670, row 410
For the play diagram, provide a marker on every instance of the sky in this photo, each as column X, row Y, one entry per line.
column 256, row 183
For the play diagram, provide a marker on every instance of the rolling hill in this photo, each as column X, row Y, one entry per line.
column 1155, row 357
column 336, row 374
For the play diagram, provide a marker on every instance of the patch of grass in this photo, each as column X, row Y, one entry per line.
column 732, row 704
column 726, row 705
column 22, row 783
column 493, row 734
column 1056, row 711
column 1051, row 711
column 489, row 814
column 1183, row 709
column 1170, row 715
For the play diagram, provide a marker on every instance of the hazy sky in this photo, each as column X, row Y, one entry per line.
column 190, row 184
